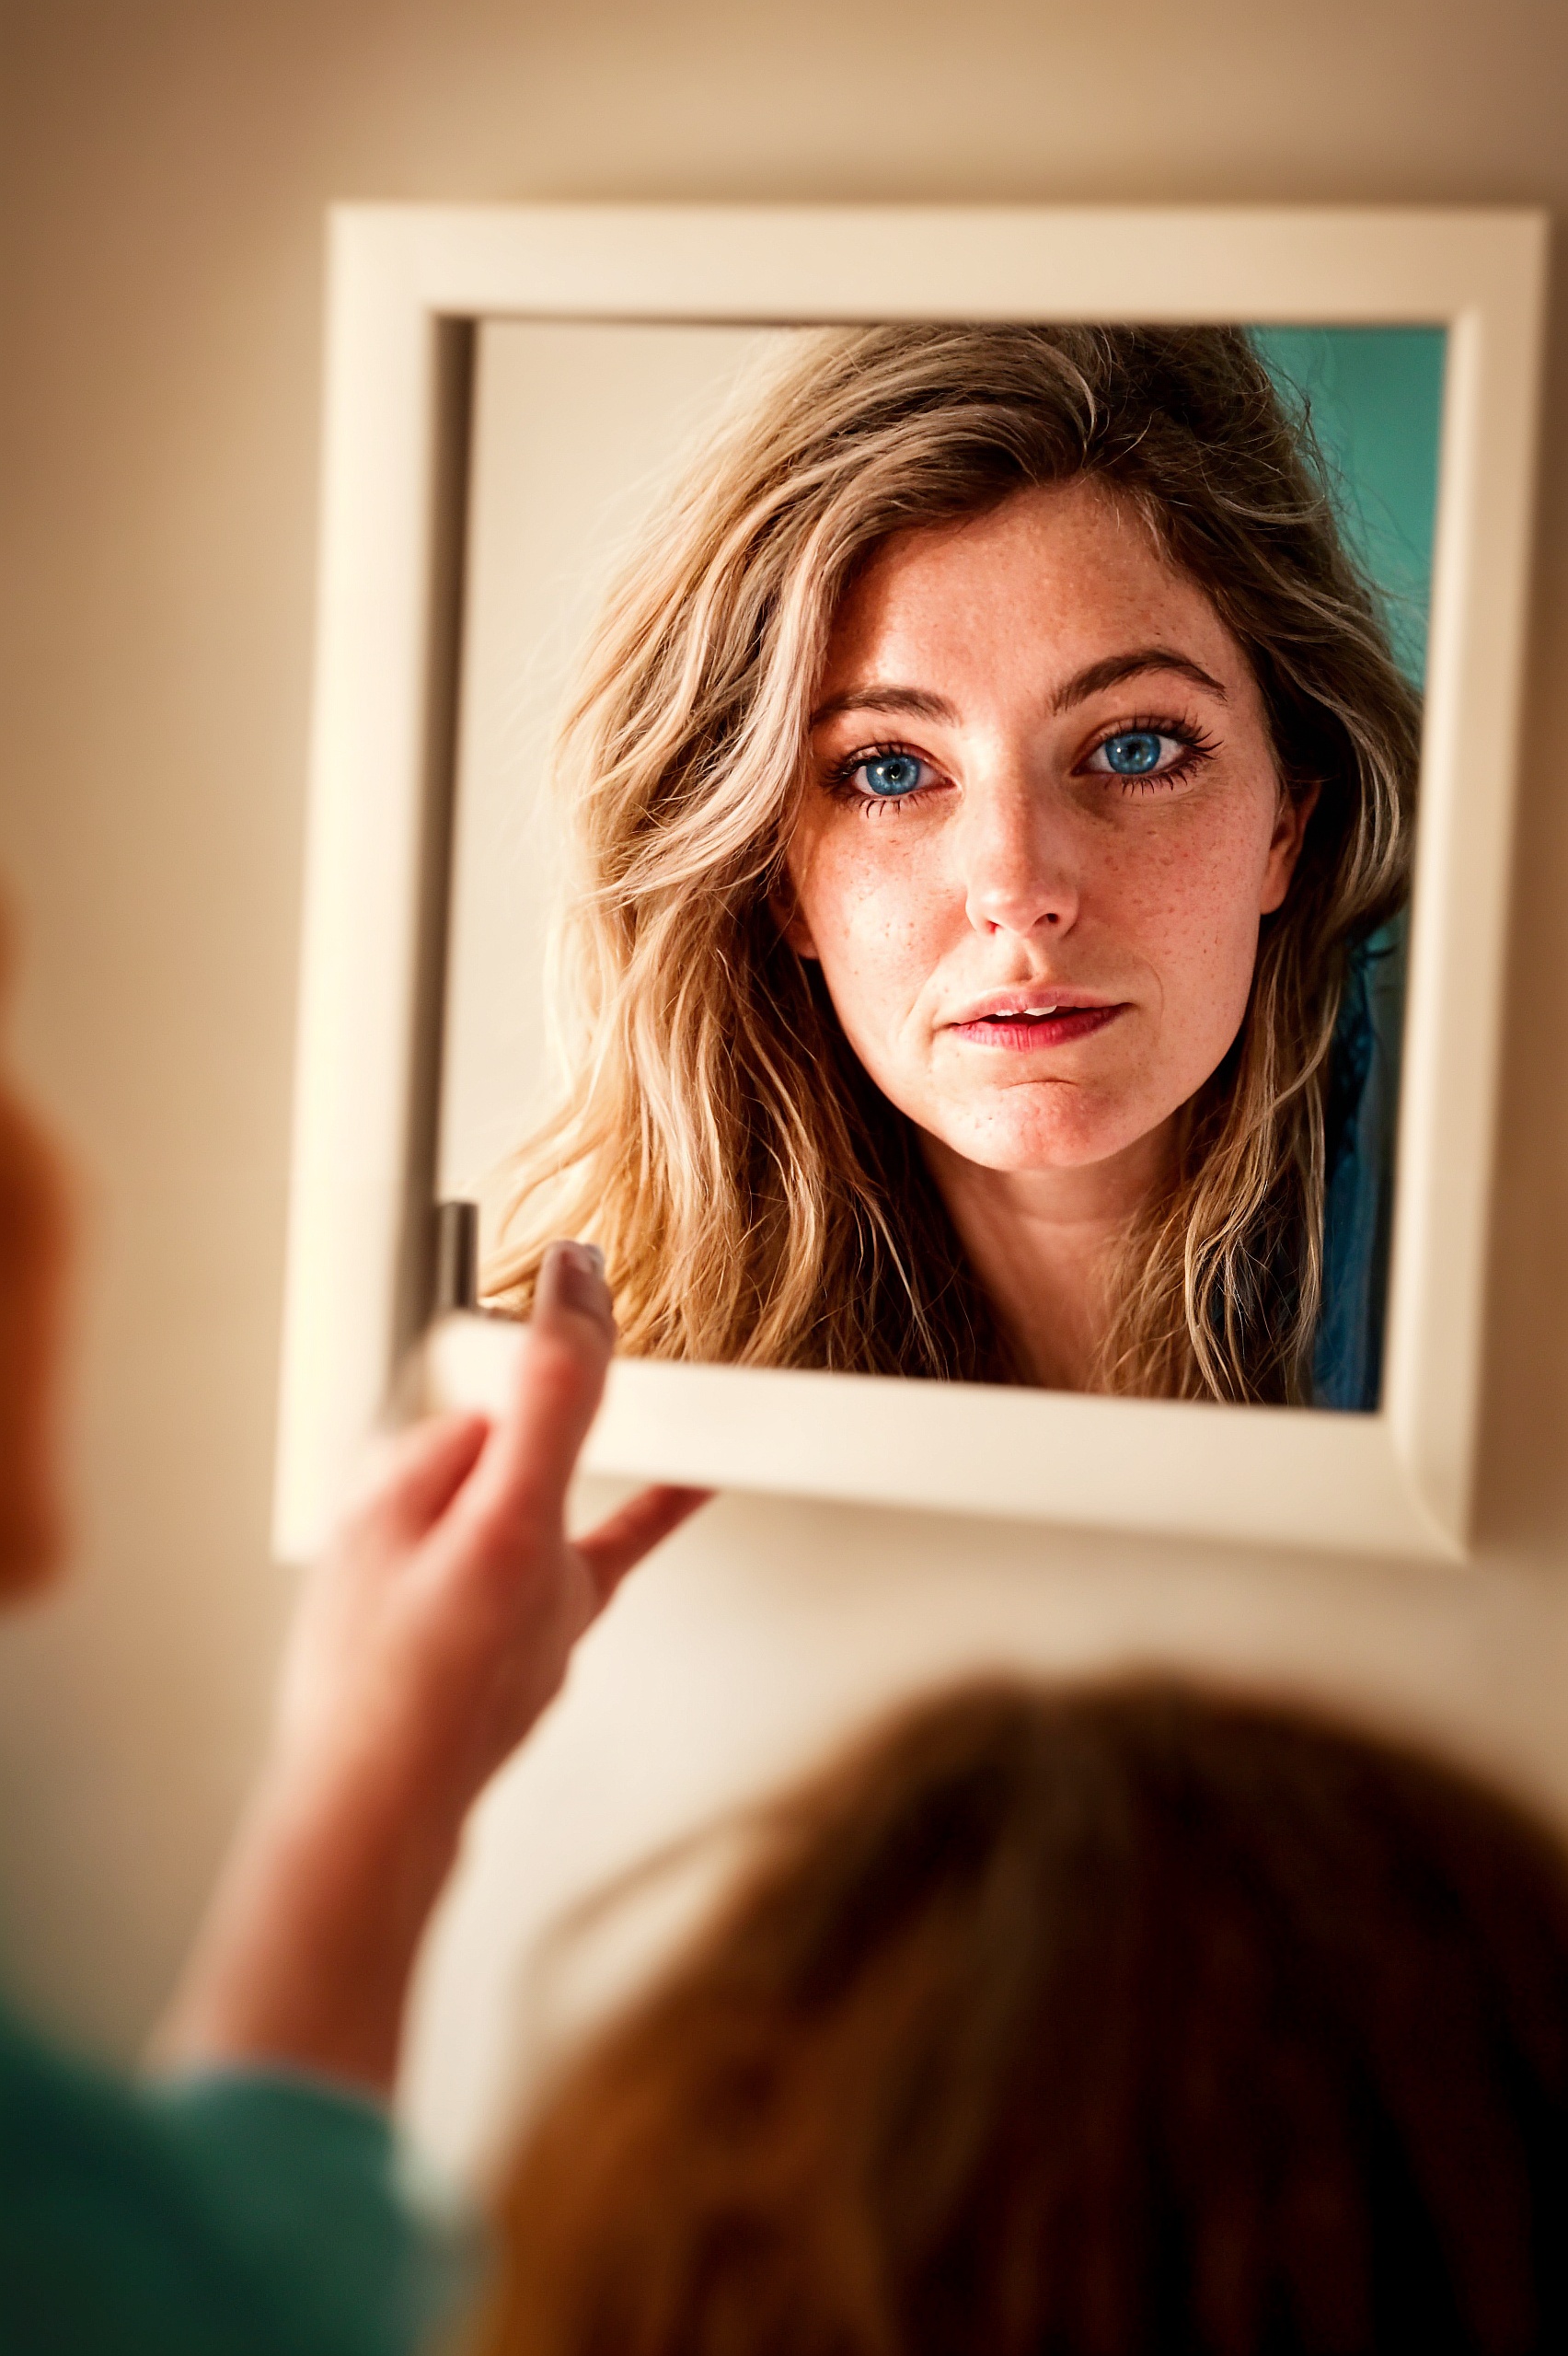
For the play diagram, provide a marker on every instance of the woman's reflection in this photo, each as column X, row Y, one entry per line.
column 992, row 792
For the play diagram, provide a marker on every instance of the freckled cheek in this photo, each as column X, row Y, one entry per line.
column 880, row 930
column 1191, row 912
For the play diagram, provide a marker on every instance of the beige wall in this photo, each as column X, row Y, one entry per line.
column 165, row 167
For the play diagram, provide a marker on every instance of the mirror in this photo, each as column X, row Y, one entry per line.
column 509, row 392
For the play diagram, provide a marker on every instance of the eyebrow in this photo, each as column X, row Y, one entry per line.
column 912, row 703
column 918, row 703
column 1115, row 668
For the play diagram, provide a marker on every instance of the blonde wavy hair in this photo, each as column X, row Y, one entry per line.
column 757, row 1200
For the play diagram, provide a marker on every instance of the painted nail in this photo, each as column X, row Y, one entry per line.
column 572, row 1277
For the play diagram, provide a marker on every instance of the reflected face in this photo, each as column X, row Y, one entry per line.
column 1041, row 822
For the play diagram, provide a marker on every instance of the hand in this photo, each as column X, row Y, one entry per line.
column 435, row 1630
column 443, row 1618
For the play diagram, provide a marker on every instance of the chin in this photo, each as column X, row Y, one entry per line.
column 1031, row 1149
column 1022, row 1132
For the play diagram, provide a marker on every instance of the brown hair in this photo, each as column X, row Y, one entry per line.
column 756, row 1198
column 1099, row 2022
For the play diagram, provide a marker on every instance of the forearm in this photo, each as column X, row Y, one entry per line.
column 436, row 1628
column 310, row 1945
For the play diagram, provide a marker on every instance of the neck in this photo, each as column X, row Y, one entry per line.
column 1042, row 1242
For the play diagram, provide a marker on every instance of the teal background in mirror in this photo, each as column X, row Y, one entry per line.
column 1375, row 397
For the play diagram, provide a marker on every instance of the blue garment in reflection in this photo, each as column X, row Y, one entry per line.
column 1362, row 1107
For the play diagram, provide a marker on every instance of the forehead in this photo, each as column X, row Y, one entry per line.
column 1058, row 575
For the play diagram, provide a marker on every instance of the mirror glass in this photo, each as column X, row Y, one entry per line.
column 997, row 864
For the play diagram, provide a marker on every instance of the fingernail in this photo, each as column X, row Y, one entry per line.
column 572, row 1277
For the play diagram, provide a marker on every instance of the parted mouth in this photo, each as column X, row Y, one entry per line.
column 1037, row 1003
column 1032, row 1021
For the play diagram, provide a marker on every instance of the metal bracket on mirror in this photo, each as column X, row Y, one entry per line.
column 454, row 1259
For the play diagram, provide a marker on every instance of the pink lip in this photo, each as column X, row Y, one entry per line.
column 991, row 1026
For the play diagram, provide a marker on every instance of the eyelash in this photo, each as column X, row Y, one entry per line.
column 1200, row 747
column 838, row 782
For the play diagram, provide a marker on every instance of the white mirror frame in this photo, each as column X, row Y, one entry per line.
column 407, row 287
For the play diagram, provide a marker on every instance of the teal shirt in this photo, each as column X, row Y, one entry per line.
column 236, row 2213
column 1363, row 1114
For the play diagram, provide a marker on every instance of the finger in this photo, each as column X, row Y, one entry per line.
column 422, row 1471
column 557, row 1383
column 620, row 1541
column 571, row 1283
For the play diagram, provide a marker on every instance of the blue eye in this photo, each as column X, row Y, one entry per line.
column 1135, row 752
column 891, row 775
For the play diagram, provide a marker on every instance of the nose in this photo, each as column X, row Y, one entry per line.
column 1019, row 874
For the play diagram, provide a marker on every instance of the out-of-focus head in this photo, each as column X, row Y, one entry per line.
column 33, row 1246
column 1116, row 2021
